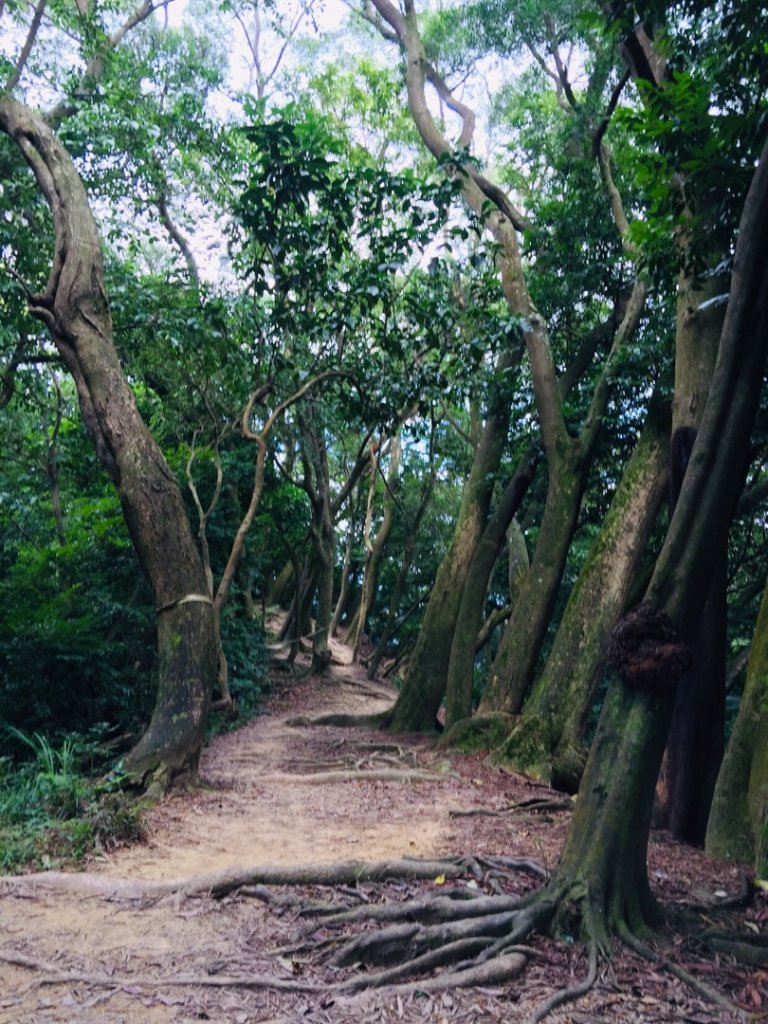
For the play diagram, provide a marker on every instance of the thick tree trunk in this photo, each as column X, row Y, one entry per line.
column 548, row 742
column 695, row 745
column 516, row 659
column 606, row 850
column 741, row 794
column 75, row 309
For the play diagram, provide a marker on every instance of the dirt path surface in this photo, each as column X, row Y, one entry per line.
column 280, row 795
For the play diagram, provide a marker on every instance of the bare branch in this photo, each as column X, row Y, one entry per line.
column 562, row 70
column 26, row 49
column 614, row 198
column 177, row 237
column 597, row 137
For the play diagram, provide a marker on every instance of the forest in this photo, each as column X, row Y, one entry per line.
column 435, row 330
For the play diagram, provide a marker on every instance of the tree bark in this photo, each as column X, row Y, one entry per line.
column 605, row 855
column 568, row 463
column 549, row 741
column 741, row 795
column 695, row 745
column 461, row 664
column 75, row 309
column 419, row 700
column 375, row 548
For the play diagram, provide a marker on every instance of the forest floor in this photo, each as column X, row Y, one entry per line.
column 102, row 946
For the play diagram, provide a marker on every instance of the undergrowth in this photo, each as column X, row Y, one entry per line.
column 55, row 806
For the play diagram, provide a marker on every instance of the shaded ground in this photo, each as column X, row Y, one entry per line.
column 270, row 795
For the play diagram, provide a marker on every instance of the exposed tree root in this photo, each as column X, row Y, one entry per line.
column 696, row 984
column 494, row 972
column 746, row 948
column 219, row 883
column 531, row 805
column 468, row 938
column 567, row 995
column 52, row 974
column 428, row 909
column 359, row 775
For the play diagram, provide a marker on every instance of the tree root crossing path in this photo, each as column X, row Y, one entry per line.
column 323, row 874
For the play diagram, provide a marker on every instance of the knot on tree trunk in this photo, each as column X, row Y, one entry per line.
column 648, row 651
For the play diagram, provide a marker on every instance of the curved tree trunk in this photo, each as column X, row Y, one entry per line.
column 548, row 742
column 568, row 459
column 75, row 309
column 736, row 824
column 568, row 464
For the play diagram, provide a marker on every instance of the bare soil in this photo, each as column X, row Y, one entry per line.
column 279, row 794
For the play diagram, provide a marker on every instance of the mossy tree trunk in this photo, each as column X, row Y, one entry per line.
column 548, row 742
column 737, row 818
column 461, row 662
column 75, row 309
column 604, row 861
column 424, row 687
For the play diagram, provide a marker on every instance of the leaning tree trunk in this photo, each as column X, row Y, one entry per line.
column 458, row 702
column 604, row 861
column 75, row 309
column 568, row 463
column 741, row 793
column 695, row 745
column 548, row 742
column 419, row 701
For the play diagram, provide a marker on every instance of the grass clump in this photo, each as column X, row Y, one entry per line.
column 54, row 805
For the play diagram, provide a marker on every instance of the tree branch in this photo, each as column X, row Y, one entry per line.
column 177, row 237
column 29, row 42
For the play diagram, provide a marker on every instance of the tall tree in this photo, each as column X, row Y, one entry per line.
column 75, row 309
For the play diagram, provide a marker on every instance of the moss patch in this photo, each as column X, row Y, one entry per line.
column 483, row 732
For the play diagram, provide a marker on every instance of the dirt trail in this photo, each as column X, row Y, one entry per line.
column 257, row 805
column 260, row 807
column 260, row 803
